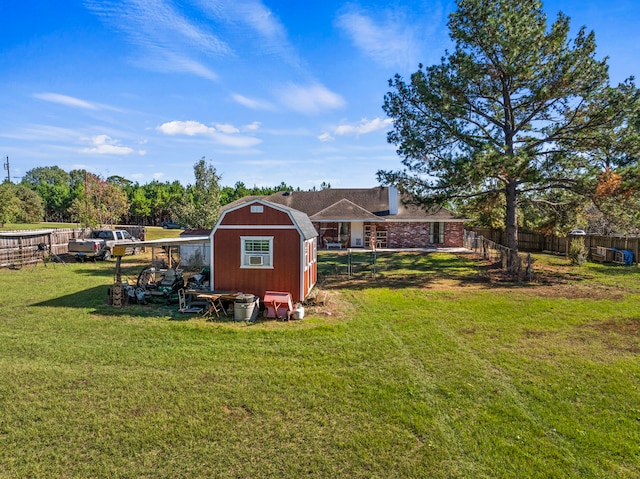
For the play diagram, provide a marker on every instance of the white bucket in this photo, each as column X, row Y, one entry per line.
column 298, row 312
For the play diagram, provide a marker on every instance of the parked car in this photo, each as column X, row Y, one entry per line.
column 170, row 225
column 577, row 233
column 100, row 244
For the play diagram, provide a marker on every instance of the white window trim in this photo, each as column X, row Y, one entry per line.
column 244, row 255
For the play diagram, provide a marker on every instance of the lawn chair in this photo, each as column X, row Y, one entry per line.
column 183, row 306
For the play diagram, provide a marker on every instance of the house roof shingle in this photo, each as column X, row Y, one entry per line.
column 374, row 200
column 344, row 210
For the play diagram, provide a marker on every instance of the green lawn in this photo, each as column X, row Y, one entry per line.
column 35, row 226
column 437, row 367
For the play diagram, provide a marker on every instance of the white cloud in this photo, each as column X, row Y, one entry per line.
column 167, row 61
column 228, row 129
column 253, row 22
column 105, row 145
column 309, row 99
column 390, row 42
column 252, row 126
column 167, row 39
column 36, row 132
column 252, row 103
column 223, row 134
column 189, row 128
column 363, row 127
column 72, row 101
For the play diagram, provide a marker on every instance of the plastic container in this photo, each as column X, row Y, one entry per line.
column 245, row 308
column 298, row 312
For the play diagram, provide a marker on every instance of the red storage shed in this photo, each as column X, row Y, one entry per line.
column 259, row 246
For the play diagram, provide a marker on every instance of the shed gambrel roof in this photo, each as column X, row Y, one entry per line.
column 299, row 218
column 374, row 200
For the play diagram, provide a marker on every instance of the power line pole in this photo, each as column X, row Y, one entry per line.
column 6, row 167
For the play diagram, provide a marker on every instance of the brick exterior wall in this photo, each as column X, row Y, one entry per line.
column 413, row 235
column 454, row 234
column 416, row 235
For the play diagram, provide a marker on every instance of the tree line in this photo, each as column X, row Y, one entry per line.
column 52, row 194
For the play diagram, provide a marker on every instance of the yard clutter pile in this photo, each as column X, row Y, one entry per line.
column 612, row 255
column 157, row 285
column 623, row 256
column 168, row 286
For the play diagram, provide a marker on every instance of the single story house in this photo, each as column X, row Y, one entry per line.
column 355, row 217
column 258, row 246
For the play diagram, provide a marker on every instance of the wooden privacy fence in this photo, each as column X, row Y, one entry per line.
column 22, row 248
column 537, row 242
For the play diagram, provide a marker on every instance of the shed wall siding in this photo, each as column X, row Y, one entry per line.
column 284, row 276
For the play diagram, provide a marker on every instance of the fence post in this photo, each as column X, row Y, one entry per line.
column 375, row 255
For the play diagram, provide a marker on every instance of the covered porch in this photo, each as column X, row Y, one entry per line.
column 347, row 225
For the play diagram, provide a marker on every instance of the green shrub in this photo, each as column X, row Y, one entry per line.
column 577, row 252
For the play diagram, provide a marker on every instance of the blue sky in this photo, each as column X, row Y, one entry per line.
column 266, row 91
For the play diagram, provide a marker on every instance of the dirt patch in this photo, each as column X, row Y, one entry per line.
column 596, row 340
column 577, row 291
column 626, row 326
column 621, row 334
column 242, row 411
column 328, row 303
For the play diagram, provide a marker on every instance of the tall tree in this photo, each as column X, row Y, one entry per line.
column 140, row 205
column 201, row 205
column 32, row 207
column 514, row 109
column 19, row 204
column 53, row 184
column 10, row 204
column 103, row 202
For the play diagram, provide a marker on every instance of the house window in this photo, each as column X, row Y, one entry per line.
column 256, row 251
column 257, row 209
column 436, row 233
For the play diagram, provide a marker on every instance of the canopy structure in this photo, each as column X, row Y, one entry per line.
column 176, row 241
column 170, row 243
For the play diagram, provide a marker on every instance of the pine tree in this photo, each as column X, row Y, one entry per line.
column 515, row 109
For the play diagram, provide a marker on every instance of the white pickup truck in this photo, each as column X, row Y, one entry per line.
column 100, row 244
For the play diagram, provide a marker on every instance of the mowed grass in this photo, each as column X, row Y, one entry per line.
column 437, row 367
column 36, row 226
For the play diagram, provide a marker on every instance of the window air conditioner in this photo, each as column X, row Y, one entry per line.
column 256, row 260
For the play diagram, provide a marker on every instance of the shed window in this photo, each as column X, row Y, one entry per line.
column 257, row 209
column 256, row 251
